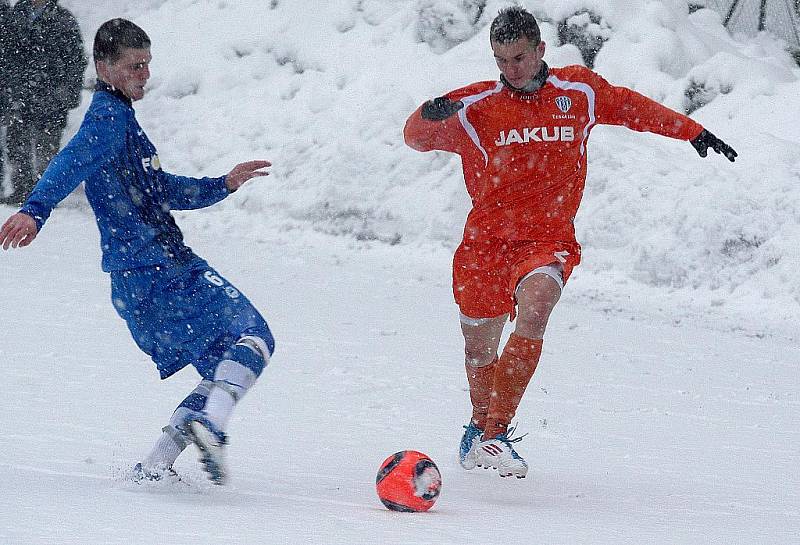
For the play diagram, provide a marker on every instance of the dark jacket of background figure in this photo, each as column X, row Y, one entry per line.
column 45, row 62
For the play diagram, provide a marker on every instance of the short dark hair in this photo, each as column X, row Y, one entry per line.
column 511, row 24
column 115, row 35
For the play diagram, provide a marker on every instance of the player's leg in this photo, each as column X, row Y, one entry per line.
column 536, row 294
column 20, row 158
column 481, row 341
column 47, row 141
column 232, row 377
column 485, row 299
column 203, row 416
column 3, row 147
column 233, row 363
column 130, row 294
column 158, row 463
column 228, row 342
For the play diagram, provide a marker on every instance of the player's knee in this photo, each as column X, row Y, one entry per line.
column 252, row 352
column 533, row 315
column 479, row 355
column 532, row 325
column 261, row 337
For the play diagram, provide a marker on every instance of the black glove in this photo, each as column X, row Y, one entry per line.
column 440, row 108
column 706, row 140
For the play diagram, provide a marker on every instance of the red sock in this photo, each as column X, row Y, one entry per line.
column 481, row 381
column 512, row 374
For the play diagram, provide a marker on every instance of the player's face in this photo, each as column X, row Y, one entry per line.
column 519, row 61
column 129, row 73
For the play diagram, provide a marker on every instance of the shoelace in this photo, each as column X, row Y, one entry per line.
column 507, row 436
column 473, row 428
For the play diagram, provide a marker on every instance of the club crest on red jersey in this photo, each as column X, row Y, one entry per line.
column 564, row 103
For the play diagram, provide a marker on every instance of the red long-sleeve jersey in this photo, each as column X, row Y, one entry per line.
column 524, row 155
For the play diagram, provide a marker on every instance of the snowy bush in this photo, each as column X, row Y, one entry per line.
column 443, row 24
column 587, row 31
column 725, row 73
column 699, row 93
column 696, row 5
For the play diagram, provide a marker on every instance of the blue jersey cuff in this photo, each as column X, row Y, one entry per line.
column 38, row 216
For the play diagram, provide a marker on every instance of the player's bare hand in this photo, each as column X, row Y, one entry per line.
column 244, row 171
column 19, row 230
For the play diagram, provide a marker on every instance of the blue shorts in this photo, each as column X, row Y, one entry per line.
column 181, row 314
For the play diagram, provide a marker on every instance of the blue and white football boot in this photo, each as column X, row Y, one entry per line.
column 211, row 443
column 499, row 454
column 466, row 452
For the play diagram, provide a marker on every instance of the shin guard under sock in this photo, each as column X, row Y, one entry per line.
column 481, row 381
column 512, row 374
column 233, row 377
column 231, row 382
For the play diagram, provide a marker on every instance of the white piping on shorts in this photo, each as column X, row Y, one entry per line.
column 553, row 270
column 257, row 345
column 466, row 320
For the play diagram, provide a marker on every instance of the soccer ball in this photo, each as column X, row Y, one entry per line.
column 408, row 481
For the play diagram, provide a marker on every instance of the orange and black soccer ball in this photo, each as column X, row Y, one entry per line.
column 408, row 481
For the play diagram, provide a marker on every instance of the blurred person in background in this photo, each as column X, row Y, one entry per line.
column 5, row 18
column 45, row 61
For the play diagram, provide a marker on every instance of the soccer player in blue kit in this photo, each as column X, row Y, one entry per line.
column 179, row 310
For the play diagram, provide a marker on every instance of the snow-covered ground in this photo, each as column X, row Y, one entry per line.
column 666, row 406
column 641, row 430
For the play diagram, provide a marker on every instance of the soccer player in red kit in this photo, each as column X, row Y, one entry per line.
column 522, row 143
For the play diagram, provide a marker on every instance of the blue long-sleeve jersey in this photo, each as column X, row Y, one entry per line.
column 130, row 195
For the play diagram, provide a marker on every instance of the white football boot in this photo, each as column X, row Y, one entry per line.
column 499, row 454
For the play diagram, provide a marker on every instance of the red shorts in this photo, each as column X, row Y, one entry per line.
column 486, row 273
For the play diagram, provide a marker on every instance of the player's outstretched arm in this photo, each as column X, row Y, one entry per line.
column 706, row 140
column 19, row 230
column 243, row 172
column 434, row 126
